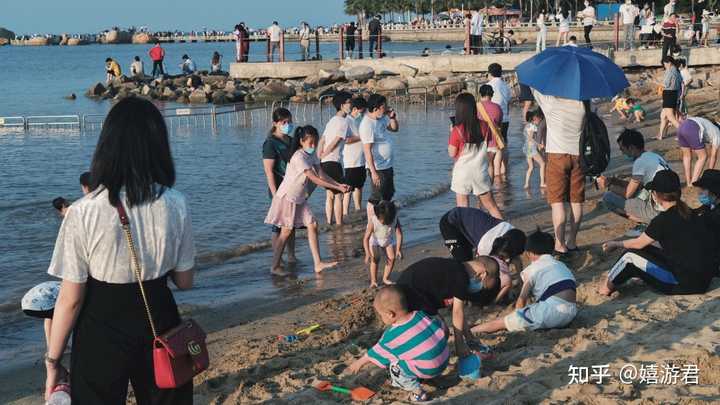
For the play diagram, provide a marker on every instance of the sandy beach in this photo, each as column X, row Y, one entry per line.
column 635, row 327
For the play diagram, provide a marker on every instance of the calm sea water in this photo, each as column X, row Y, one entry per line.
column 220, row 172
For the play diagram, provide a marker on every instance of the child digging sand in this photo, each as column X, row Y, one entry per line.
column 290, row 209
column 532, row 148
column 550, row 283
column 383, row 232
column 414, row 347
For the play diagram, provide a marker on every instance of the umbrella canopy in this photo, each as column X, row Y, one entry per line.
column 572, row 72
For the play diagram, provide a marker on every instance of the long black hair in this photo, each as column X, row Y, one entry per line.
column 301, row 133
column 133, row 152
column 466, row 115
column 509, row 246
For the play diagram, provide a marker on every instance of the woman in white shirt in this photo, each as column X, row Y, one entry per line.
column 563, row 16
column 588, row 16
column 99, row 300
column 542, row 32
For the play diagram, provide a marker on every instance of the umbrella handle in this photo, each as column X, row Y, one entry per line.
column 340, row 390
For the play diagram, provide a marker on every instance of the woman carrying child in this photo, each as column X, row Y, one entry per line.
column 687, row 261
column 469, row 150
column 290, row 209
column 383, row 232
column 532, row 147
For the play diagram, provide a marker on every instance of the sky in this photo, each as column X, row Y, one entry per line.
column 90, row 16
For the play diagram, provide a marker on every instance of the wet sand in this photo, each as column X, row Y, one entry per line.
column 635, row 326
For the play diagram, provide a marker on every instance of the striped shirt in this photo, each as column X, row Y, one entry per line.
column 418, row 346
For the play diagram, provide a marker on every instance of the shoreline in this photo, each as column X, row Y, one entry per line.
column 248, row 365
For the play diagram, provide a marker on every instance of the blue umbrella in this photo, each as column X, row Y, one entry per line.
column 572, row 72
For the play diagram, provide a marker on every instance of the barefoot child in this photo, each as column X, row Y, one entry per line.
column 551, row 284
column 290, row 208
column 383, row 232
column 635, row 110
column 414, row 346
column 532, row 153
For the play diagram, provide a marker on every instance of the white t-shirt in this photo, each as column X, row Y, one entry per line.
column 305, row 33
column 540, row 22
column 476, row 24
column 668, row 9
column 501, row 96
column 686, row 76
column 91, row 241
column 543, row 273
column 337, row 127
column 564, row 119
column 486, row 242
column 274, row 32
column 709, row 132
column 647, row 165
column 588, row 15
column 628, row 13
column 136, row 68
column 352, row 153
column 375, row 132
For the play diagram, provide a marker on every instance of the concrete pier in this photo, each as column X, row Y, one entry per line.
column 454, row 63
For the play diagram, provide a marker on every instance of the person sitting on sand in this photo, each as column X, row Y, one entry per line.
column 629, row 198
column 687, row 260
column 471, row 231
column 635, row 110
column 112, row 70
column 697, row 135
column 383, row 232
column 621, row 107
column 550, row 283
column 434, row 283
column 290, row 208
column 413, row 347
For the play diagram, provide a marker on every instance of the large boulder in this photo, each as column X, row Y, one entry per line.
column 198, row 97
column 331, row 76
column 97, row 90
column 359, row 73
column 180, row 81
column 218, row 97
column 392, row 83
column 417, row 85
column 273, row 90
column 314, row 81
column 450, row 86
column 229, row 86
column 146, row 90
column 168, row 94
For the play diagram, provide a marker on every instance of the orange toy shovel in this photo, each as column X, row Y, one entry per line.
column 357, row 394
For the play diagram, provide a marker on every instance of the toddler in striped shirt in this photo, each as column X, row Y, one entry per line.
column 414, row 347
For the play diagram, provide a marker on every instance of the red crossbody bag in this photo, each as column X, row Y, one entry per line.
column 180, row 353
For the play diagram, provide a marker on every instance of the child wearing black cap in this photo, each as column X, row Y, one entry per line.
column 687, row 261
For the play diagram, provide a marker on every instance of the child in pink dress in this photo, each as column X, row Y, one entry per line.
column 290, row 209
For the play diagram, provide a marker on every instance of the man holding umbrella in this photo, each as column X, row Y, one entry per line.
column 563, row 80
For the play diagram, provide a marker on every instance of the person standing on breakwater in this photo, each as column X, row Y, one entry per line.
column 276, row 156
column 476, row 32
column 563, row 16
column 274, row 31
column 502, row 95
column 542, row 32
column 157, row 54
column 565, row 179
column 354, row 158
column 469, row 150
column 337, row 133
column 629, row 12
column 588, row 19
column 290, row 208
column 378, row 147
column 350, row 31
column 242, row 43
column 112, row 70
column 304, row 36
column 670, row 32
column 99, row 301
column 375, row 29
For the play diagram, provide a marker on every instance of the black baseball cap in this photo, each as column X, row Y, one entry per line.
column 665, row 181
column 710, row 180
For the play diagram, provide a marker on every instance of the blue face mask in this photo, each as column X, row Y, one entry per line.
column 475, row 285
column 286, row 129
column 309, row 151
column 705, row 199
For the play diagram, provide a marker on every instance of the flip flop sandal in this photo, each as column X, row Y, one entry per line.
column 419, row 398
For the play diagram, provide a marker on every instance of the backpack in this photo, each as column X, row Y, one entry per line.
column 594, row 144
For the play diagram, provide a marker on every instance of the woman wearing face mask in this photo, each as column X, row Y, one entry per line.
column 688, row 259
column 431, row 283
column 290, row 209
column 276, row 155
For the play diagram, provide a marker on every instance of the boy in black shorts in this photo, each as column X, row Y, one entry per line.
column 353, row 157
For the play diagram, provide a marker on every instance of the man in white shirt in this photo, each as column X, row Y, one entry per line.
column 274, row 31
column 628, row 13
column 476, row 32
column 502, row 95
column 630, row 198
column 304, row 36
column 565, row 179
column 378, row 147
